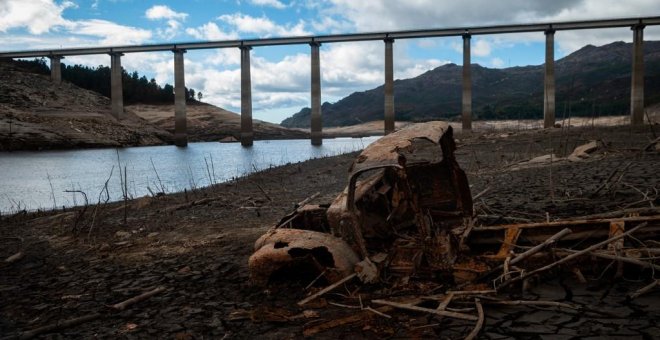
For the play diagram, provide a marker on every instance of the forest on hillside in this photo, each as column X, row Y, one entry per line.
column 136, row 88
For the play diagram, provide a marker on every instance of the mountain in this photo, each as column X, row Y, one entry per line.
column 594, row 80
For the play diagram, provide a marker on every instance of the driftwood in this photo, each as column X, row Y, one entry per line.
column 426, row 310
column 11, row 259
column 615, row 258
column 122, row 305
column 443, row 305
column 569, row 223
column 606, row 182
column 644, row 290
column 480, row 321
column 572, row 256
column 326, row 289
column 308, row 199
column 494, row 301
column 312, row 330
column 550, row 241
column 617, row 214
column 55, row 326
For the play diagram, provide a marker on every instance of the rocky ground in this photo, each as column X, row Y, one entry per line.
column 78, row 262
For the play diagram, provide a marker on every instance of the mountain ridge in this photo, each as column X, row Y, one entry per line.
column 595, row 80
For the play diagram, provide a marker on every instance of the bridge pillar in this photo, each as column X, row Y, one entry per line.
column 180, row 124
column 549, row 82
column 637, row 86
column 56, row 68
column 466, row 115
column 247, row 134
column 117, row 96
column 316, row 124
column 389, row 86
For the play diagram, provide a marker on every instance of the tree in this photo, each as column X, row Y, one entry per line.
column 200, row 96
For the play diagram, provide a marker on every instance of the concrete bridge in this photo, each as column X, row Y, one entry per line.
column 247, row 135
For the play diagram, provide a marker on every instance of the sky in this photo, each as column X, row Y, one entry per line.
column 281, row 74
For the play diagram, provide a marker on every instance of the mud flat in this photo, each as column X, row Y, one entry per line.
column 63, row 265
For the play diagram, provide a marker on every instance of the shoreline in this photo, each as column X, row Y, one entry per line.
column 196, row 244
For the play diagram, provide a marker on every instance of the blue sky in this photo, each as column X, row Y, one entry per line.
column 280, row 75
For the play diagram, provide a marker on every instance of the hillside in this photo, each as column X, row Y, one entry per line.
column 595, row 80
column 211, row 123
column 35, row 114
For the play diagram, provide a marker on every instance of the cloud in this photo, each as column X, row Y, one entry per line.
column 37, row 16
column 269, row 3
column 211, row 31
column 110, row 32
column 480, row 48
column 497, row 62
column 173, row 20
column 263, row 26
column 163, row 12
column 378, row 15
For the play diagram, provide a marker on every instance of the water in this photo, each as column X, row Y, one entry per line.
column 40, row 180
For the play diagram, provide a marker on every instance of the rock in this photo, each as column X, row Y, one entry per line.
column 122, row 234
column 228, row 139
column 581, row 152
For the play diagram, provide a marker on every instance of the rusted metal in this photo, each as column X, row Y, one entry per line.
column 405, row 193
column 407, row 213
column 292, row 250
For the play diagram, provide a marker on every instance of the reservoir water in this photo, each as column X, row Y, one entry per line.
column 44, row 179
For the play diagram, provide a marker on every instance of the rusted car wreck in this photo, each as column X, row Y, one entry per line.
column 407, row 213
column 397, row 218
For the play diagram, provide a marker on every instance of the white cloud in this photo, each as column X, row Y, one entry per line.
column 497, row 62
column 329, row 24
column 480, row 48
column 173, row 20
column 269, row 3
column 110, row 32
column 163, row 12
column 263, row 26
column 38, row 16
column 211, row 31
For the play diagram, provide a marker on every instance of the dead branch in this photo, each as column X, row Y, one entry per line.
column 443, row 305
column 615, row 258
column 263, row 192
column 471, row 292
column 550, row 241
column 312, row 330
column 483, row 192
column 495, row 301
column 480, row 322
column 426, row 310
column 619, row 213
column 308, row 199
column 567, row 223
column 326, row 289
column 643, row 290
column 122, row 305
column 605, row 183
column 11, row 259
column 377, row 312
column 58, row 325
column 572, row 256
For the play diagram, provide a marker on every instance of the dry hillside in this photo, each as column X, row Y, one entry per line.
column 37, row 114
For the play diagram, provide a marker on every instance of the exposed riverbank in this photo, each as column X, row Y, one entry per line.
column 196, row 245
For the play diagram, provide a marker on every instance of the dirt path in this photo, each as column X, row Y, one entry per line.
column 196, row 245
